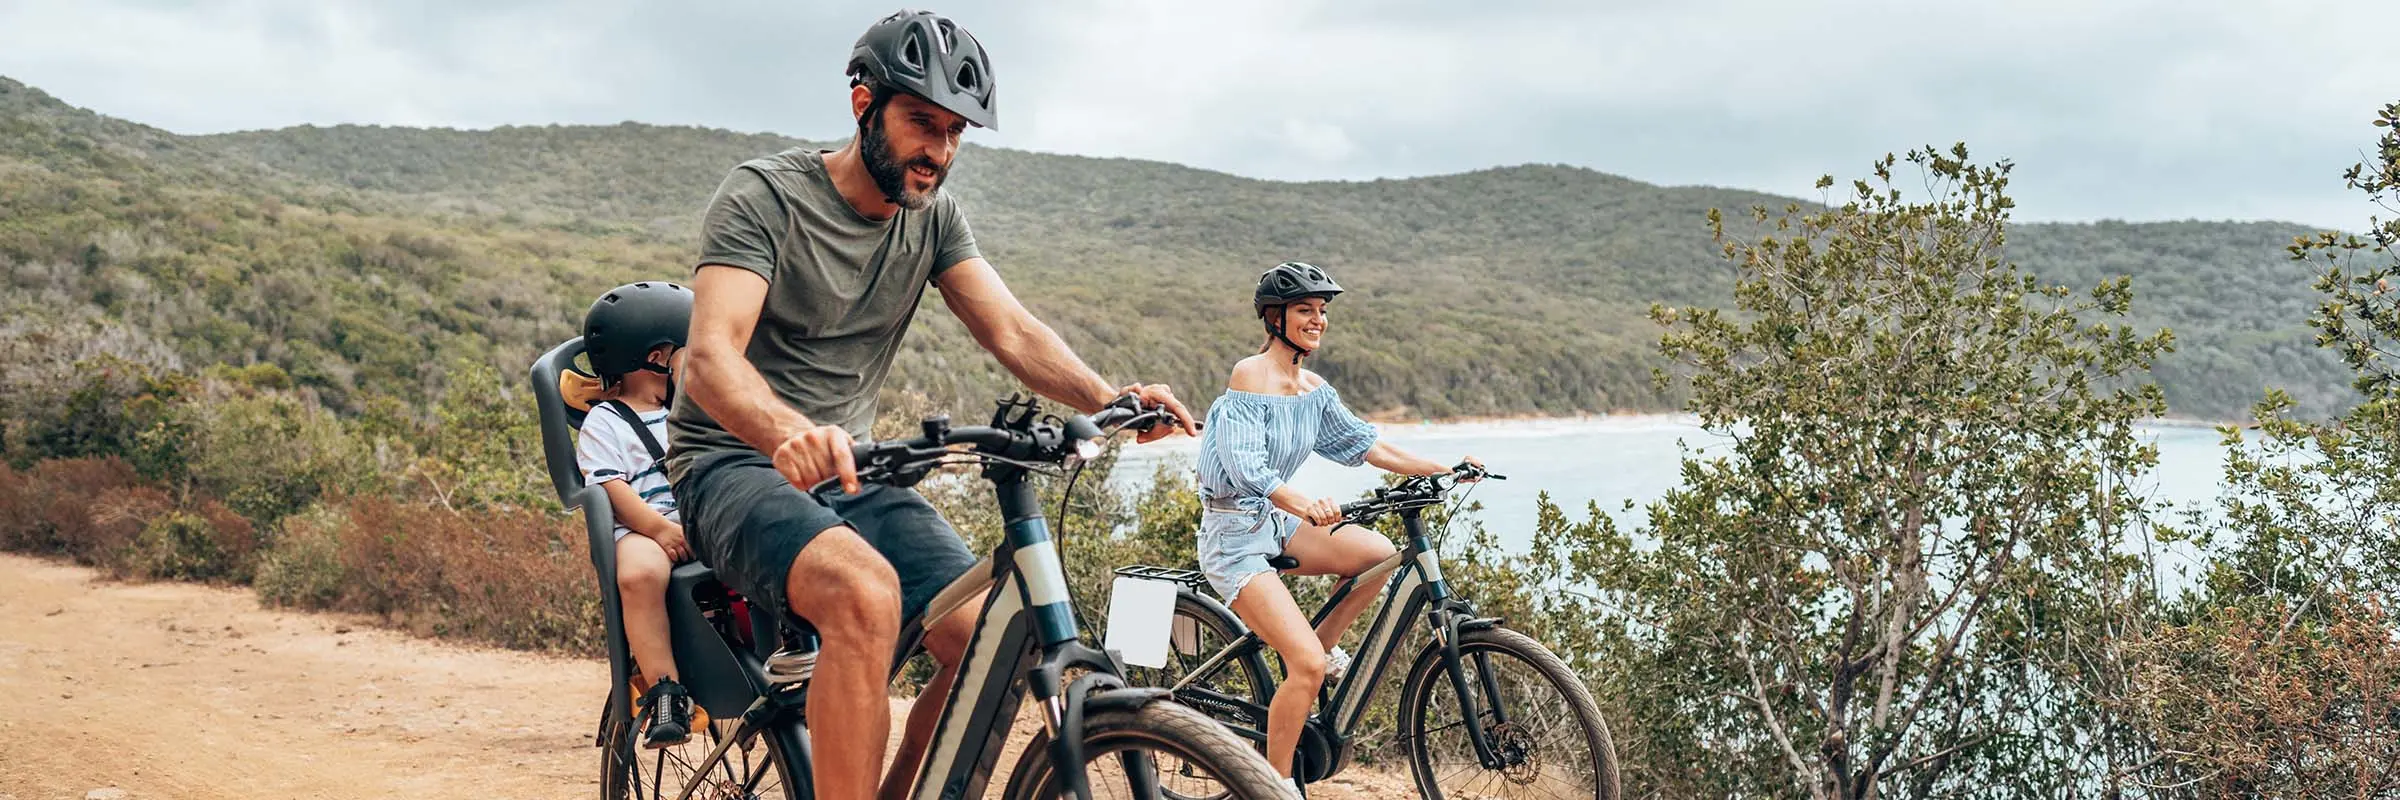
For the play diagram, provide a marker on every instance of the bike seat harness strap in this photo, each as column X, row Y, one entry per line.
column 641, row 429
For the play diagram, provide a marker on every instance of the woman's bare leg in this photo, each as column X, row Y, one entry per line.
column 1265, row 606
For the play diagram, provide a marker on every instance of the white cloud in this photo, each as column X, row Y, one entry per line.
column 2135, row 109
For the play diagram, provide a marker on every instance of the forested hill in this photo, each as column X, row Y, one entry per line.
column 363, row 259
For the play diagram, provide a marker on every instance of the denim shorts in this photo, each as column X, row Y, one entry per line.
column 1235, row 546
column 748, row 523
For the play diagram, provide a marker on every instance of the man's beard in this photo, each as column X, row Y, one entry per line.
column 891, row 177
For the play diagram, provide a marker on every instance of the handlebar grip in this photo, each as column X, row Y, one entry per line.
column 1082, row 428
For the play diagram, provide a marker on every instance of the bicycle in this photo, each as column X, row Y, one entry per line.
column 1510, row 748
column 754, row 742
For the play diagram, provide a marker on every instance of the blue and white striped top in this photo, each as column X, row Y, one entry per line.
column 609, row 450
column 1254, row 442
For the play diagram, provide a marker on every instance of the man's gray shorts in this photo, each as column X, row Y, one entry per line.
column 748, row 524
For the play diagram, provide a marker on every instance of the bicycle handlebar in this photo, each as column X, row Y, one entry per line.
column 1415, row 492
column 901, row 462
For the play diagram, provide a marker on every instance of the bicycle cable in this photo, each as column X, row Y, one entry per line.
column 1073, row 602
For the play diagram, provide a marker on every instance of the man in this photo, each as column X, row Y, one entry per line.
column 811, row 267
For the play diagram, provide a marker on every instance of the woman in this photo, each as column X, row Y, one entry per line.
column 1272, row 415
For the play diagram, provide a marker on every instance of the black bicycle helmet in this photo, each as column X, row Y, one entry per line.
column 925, row 54
column 1286, row 283
column 1290, row 281
column 624, row 324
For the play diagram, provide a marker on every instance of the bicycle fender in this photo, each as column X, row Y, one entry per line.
column 1096, row 692
column 1128, row 698
column 1481, row 623
column 1210, row 606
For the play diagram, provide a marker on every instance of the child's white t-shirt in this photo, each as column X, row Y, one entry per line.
column 609, row 450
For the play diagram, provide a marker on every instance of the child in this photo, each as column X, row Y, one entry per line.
column 1271, row 417
column 631, row 336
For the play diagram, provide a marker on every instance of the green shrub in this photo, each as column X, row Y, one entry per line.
column 180, row 545
column 304, row 567
column 269, row 453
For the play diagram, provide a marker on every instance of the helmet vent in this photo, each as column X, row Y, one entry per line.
column 912, row 53
column 949, row 35
column 969, row 78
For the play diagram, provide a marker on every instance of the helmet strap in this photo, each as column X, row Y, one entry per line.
column 1275, row 328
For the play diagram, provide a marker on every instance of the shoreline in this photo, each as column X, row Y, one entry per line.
column 1386, row 418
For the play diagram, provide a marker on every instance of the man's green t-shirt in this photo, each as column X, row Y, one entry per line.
column 841, row 289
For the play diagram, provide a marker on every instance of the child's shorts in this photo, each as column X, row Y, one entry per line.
column 1235, row 546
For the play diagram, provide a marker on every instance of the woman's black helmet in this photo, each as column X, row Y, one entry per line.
column 626, row 323
column 1285, row 284
column 1291, row 281
column 925, row 54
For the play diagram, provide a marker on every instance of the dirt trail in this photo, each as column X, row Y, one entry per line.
column 172, row 690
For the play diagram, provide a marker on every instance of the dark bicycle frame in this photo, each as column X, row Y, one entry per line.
column 1027, row 629
column 1416, row 588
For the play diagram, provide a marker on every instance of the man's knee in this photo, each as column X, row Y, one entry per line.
column 844, row 588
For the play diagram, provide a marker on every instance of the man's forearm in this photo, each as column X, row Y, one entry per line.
column 1036, row 355
column 738, row 398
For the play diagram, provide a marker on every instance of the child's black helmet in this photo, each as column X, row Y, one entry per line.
column 925, row 54
column 1291, row 281
column 627, row 322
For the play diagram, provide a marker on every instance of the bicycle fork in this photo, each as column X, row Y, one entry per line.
column 1450, row 618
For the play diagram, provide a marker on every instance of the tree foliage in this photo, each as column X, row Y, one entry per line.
column 1911, row 547
column 2279, row 676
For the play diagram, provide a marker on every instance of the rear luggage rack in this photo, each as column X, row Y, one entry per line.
column 1168, row 574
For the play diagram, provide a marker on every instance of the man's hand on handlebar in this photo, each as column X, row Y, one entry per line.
column 1157, row 394
column 812, row 456
column 1469, row 470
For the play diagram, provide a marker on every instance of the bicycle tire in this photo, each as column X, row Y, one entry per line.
column 1426, row 676
column 1217, row 628
column 1161, row 727
column 638, row 780
column 1216, row 625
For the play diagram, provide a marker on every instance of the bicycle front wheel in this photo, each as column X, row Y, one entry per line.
column 1547, row 738
column 762, row 763
column 1116, row 743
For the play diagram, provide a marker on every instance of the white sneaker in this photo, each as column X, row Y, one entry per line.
column 1337, row 664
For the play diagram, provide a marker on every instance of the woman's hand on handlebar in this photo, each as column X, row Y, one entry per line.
column 1157, row 394
column 1314, row 511
column 814, row 455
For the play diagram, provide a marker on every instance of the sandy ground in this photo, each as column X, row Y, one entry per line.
column 170, row 690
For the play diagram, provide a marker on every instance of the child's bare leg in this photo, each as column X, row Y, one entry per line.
column 642, row 568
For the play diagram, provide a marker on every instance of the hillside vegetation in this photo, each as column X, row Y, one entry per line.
column 359, row 259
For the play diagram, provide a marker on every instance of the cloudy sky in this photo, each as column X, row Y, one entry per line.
column 2123, row 109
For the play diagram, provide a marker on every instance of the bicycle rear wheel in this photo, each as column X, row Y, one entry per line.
column 1117, row 741
column 1547, row 732
column 763, row 763
column 1202, row 632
